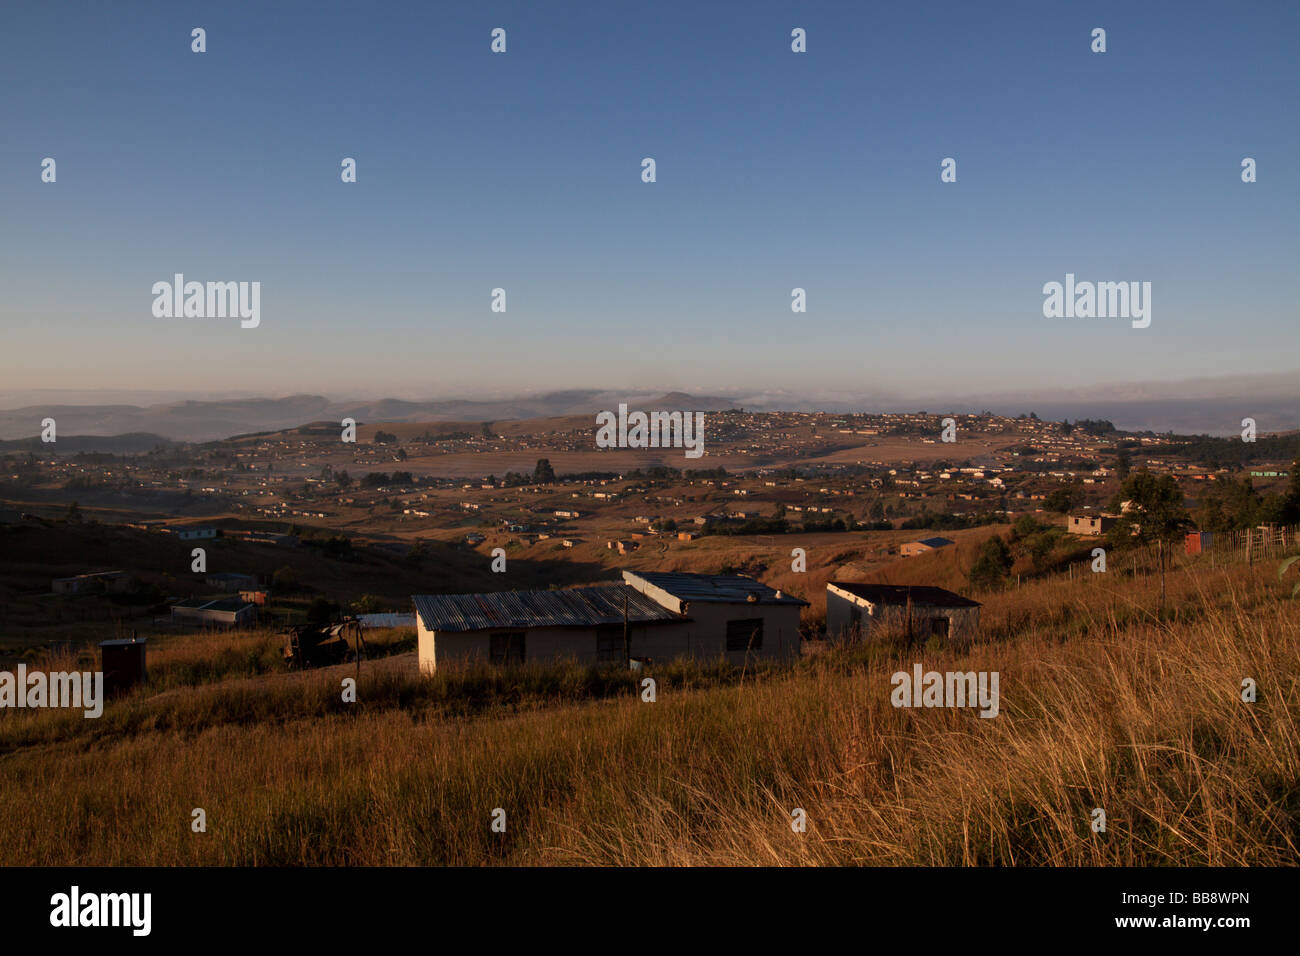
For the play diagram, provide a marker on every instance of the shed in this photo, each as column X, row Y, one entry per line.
column 123, row 664
column 1091, row 524
column 229, row 611
column 854, row 610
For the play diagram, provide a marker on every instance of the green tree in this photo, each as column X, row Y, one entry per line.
column 1025, row 526
column 1156, row 513
column 1291, row 500
column 543, row 474
column 1061, row 500
column 992, row 565
column 1123, row 463
column 1230, row 503
column 417, row 553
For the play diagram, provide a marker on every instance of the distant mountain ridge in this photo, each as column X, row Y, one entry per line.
column 1214, row 407
column 213, row 420
column 131, row 443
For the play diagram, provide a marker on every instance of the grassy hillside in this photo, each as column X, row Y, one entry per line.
column 1104, row 704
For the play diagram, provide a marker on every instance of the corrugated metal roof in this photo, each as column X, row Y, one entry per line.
column 901, row 594
column 715, row 588
column 213, row 604
column 570, row 607
column 386, row 619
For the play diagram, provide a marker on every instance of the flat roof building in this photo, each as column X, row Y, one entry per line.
column 225, row 611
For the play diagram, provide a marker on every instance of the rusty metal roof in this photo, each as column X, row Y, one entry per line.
column 715, row 588
column 569, row 607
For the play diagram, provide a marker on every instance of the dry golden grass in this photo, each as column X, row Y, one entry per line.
column 1103, row 704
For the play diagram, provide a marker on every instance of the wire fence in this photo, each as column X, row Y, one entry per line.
column 1264, row 542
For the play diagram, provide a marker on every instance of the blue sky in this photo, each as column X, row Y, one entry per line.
column 522, row 171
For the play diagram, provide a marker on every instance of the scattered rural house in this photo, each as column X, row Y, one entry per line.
column 97, row 582
column 853, row 610
column 258, row 596
column 667, row 616
column 226, row 611
column 475, row 538
column 728, row 614
column 583, row 624
column 1091, row 524
column 1198, row 542
column 913, row 548
column 230, row 581
column 194, row 534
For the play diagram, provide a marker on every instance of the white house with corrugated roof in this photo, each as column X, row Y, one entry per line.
column 510, row 627
column 654, row 616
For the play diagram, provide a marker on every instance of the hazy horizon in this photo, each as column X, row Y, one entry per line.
column 1211, row 405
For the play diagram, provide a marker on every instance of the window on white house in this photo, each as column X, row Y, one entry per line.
column 507, row 647
column 745, row 634
column 609, row 644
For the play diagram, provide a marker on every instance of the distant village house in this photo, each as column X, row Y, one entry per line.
column 913, row 548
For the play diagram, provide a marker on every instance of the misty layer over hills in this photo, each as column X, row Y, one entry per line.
column 1207, row 406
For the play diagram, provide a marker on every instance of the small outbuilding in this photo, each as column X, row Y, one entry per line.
column 854, row 611
column 123, row 664
column 97, row 582
column 224, row 611
column 913, row 548
column 1091, row 524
